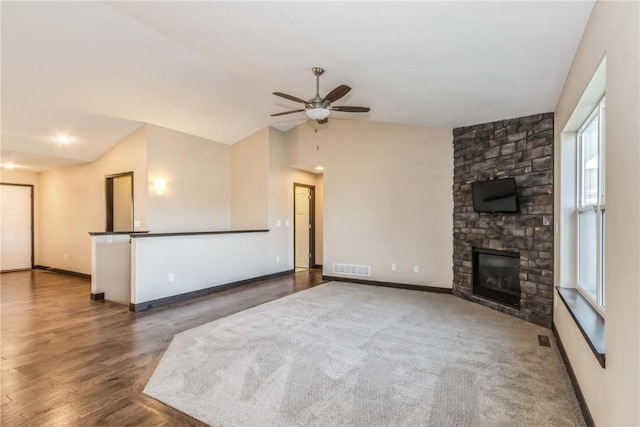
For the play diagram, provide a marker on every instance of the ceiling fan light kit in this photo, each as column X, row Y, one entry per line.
column 317, row 113
column 319, row 108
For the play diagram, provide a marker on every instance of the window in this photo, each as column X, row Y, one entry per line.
column 590, row 207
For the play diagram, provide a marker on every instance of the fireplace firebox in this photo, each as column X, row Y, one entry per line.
column 496, row 275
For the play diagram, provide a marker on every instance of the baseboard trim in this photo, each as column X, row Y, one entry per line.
column 97, row 297
column 61, row 271
column 16, row 269
column 163, row 302
column 584, row 408
column 388, row 284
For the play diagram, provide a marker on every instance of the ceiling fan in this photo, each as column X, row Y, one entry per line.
column 319, row 108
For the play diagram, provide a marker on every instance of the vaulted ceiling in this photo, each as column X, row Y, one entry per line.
column 95, row 71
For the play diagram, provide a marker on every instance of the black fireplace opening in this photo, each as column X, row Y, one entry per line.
column 496, row 275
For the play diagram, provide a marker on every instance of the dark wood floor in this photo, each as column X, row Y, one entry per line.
column 67, row 360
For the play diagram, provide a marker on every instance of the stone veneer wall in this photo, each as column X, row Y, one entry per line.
column 521, row 148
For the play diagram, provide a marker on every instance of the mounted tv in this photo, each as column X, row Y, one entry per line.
column 495, row 195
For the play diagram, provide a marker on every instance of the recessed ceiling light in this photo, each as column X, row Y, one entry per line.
column 63, row 139
column 319, row 168
column 8, row 165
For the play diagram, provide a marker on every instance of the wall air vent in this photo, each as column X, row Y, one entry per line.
column 351, row 269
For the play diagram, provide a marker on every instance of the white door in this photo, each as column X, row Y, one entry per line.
column 303, row 217
column 15, row 227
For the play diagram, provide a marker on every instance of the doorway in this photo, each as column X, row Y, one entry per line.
column 16, row 227
column 304, row 229
column 119, row 194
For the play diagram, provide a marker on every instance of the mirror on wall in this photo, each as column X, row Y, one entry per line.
column 119, row 192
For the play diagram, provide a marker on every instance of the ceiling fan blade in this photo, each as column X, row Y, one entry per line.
column 323, row 121
column 287, row 112
column 336, row 94
column 289, row 97
column 351, row 109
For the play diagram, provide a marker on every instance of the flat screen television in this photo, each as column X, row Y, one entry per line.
column 495, row 195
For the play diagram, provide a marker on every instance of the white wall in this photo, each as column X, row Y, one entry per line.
column 387, row 197
column 196, row 262
column 612, row 394
column 198, row 176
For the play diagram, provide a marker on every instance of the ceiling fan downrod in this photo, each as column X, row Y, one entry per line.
column 316, row 101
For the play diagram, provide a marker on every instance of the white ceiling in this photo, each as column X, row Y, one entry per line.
column 96, row 71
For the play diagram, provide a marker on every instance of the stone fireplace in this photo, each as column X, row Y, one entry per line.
column 496, row 276
column 521, row 148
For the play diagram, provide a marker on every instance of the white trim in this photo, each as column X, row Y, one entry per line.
column 597, row 207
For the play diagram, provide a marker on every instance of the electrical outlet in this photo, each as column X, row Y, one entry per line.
column 66, row 257
column 286, row 223
column 393, row 267
column 109, row 239
column 136, row 224
column 278, row 258
column 171, row 277
column 415, row 269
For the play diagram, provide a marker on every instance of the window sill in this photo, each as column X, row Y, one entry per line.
column 589, row 321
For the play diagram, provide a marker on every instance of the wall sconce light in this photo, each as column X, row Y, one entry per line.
column 159, row 185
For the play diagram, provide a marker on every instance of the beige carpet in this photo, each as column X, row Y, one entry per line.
column 356, row 355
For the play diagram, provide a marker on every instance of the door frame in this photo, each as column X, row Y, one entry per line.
column 108, row 189
column 31, row 186
column 312, row 222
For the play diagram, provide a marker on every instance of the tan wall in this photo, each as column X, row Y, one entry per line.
column 72, row 203
column 111, row 267
column 387, row 197
column 612, row 394
column 122, row 203
column 16, row 176
column 281, row 197
column 249, row 182
column 197, row 172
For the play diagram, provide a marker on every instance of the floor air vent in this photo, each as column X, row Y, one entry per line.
column 354, row 270
column 543, row 341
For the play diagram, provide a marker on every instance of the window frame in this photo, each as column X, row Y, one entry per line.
column 599, row 207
